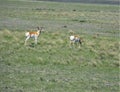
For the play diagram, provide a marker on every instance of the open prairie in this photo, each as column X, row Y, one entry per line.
column 52, row 65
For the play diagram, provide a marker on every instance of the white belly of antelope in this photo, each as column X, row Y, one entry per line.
column 75, row 39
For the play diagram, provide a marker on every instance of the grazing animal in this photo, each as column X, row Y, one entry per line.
column 33, row 35
column 75, row 39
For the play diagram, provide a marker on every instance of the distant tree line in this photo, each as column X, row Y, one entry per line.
column 116, row 2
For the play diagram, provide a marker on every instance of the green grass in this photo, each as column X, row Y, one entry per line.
column 51, row 65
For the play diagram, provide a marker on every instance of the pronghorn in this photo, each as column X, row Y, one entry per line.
column 33, row 35
column 75, row 39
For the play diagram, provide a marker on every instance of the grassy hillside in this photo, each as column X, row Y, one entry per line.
column 51, row 65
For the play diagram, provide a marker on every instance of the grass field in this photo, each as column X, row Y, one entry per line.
column 51, row 65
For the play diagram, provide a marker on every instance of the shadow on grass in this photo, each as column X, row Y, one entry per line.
column 32, row 45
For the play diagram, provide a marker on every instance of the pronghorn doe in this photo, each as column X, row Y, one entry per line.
column 75, row 39
column 33, row 35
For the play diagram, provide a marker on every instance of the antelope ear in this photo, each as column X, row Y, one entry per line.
column 38, row 28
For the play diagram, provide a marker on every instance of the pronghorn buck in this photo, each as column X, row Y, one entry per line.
column 33, row 35
column 75, row 39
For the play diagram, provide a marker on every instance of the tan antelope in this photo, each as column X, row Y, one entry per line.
column 33, row 35
column 75, row 39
